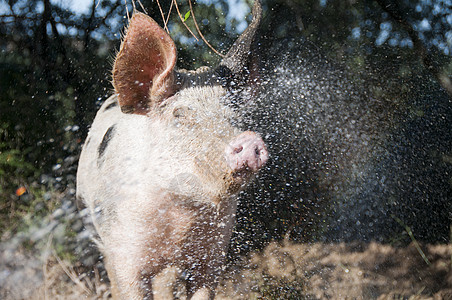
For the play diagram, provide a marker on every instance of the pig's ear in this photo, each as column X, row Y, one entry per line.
column 242, row 58
column 143, row 73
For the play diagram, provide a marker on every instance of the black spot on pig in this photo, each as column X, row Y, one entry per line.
column 107, row 137
column 88, row 140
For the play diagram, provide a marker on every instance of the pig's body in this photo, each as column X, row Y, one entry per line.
column 160, row 170
column 159, row 148
column 147, row 196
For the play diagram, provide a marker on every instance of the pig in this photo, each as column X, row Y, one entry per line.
column 163, row 163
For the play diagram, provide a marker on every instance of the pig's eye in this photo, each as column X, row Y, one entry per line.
column 180, row 112
column 183, row 115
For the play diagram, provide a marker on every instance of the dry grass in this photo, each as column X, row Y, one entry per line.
column 288, row 271
column 62, row 281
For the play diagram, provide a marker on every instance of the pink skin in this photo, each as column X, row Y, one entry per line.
column 247, row 152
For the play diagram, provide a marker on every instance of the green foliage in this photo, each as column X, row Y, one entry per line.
column 13, row 169
column 25, row 211
column 12, row 161
column 187, row 15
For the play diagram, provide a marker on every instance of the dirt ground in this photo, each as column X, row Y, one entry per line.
column 343, row 271
column 280, row 271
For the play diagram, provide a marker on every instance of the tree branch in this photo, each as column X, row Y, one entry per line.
column 393, row 9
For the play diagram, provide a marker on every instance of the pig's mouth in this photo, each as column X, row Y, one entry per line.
column 242, row 175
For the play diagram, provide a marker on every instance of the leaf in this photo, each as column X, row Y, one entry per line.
column 20, row 191
column 187, row 15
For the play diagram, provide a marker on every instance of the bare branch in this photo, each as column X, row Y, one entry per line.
column 169, row 13
column 163, row 15
column 142, row 7
column 427, row 59
column 182, row 19
column 200, row 33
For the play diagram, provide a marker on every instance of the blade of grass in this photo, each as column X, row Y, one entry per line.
column 415, row 243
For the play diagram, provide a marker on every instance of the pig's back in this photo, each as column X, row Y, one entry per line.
column 96, row 141
column 99, row 175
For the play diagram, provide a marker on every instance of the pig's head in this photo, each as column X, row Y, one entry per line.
column 188, row 111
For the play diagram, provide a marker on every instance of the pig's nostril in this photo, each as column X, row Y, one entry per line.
column 246, row 154
column 257, row 151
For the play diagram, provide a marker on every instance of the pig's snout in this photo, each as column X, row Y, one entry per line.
column 246, row 152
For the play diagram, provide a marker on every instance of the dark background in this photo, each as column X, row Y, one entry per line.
column 55, row 69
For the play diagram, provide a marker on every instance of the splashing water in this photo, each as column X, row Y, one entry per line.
column 342, row 160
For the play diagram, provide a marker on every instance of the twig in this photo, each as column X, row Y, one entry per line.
column 163, row 15
column 182, row 19
column 169, row 13
column 410, row 233
column 427, row 59
column 97, row 281
column 142, row 7
column 200, row 33
column 71, row 274
column 127, row 10
column 113, row 8
column 44, row 267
